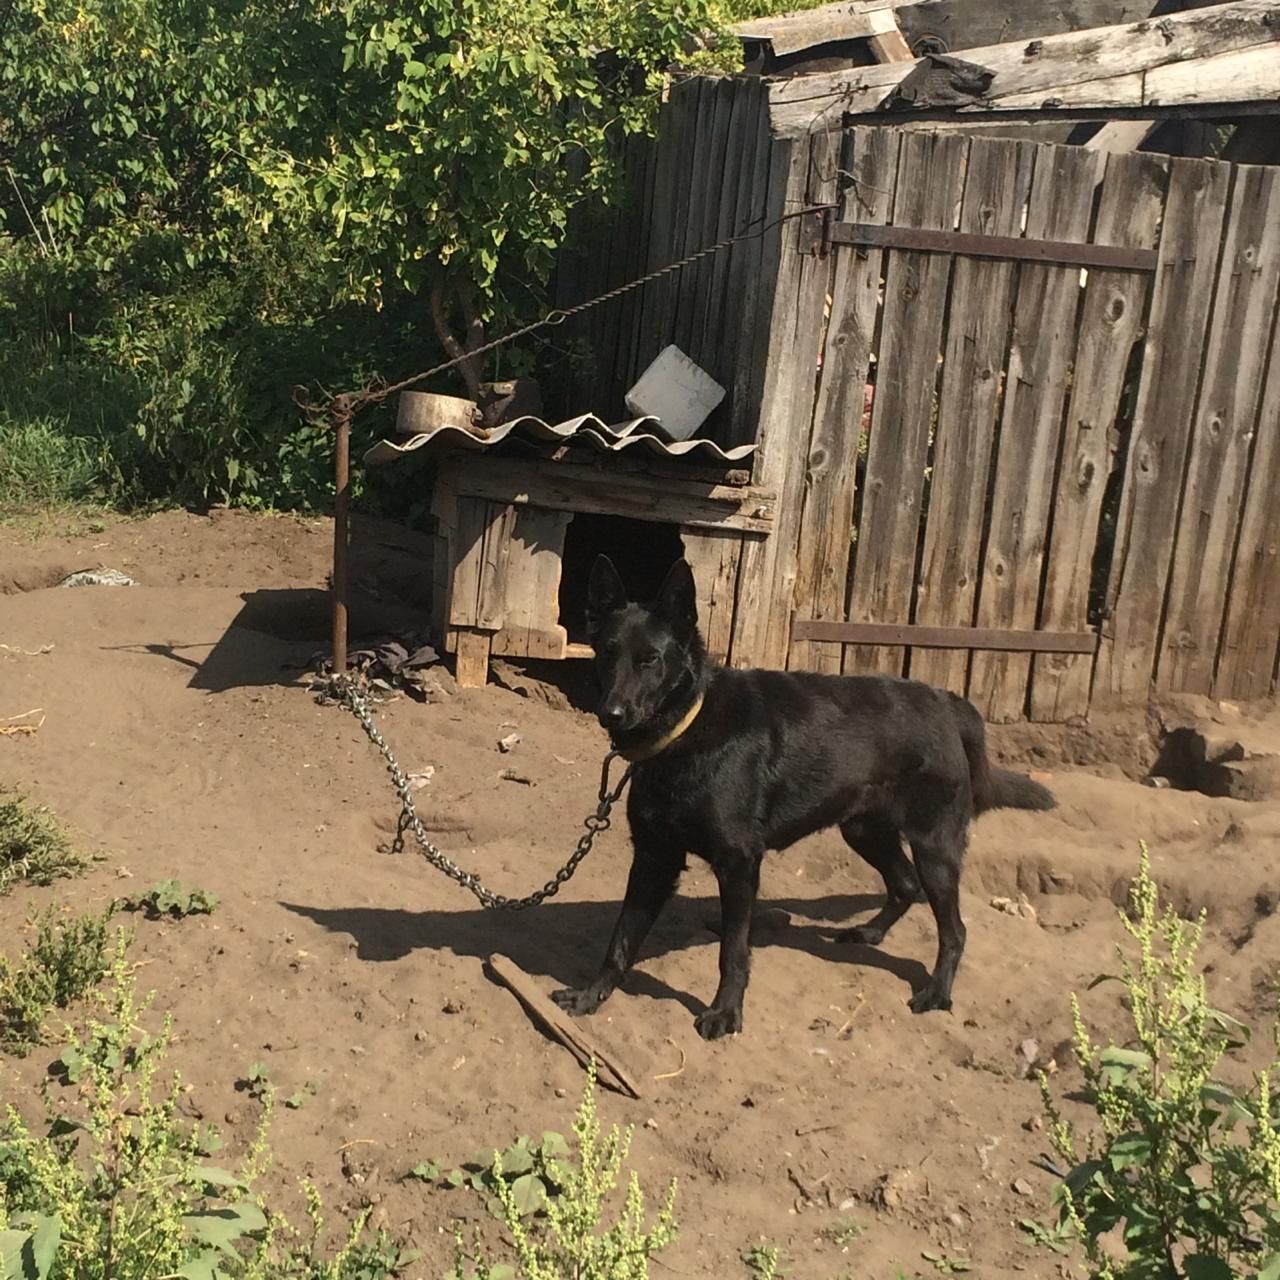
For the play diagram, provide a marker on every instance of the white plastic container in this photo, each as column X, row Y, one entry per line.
column 677, row 392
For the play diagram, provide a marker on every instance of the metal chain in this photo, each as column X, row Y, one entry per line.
column 347, row 692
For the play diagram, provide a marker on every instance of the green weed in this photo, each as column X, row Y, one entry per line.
column 559, row 1231
column 34, row 846
column 1183, row 1167
column 115, row 1187
column 67, row 960
column 169, row 898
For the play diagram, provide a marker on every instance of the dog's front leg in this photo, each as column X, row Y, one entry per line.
column 652, row 881
column 739, row 878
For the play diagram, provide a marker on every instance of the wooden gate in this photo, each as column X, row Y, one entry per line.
column 1063, row 488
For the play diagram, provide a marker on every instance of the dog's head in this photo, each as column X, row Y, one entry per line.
column 646, row 655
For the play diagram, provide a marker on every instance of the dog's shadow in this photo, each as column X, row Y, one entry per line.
column 564, row 941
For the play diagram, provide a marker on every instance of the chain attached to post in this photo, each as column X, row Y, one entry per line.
column 346, row 691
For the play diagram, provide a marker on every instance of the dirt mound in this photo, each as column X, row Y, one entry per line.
column 179, row 740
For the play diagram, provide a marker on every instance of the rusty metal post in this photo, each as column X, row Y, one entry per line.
column 341, row 534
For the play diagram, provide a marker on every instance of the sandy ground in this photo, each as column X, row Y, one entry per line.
column 180, row 739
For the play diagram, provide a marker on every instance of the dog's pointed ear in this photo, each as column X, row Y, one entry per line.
column 678, row 600
column 605, row 594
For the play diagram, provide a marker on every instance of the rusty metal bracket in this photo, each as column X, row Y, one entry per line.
column 815, row 232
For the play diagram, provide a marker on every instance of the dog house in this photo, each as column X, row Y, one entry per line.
column 996, row 410
column 508, row 521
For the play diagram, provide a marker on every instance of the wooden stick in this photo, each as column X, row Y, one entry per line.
column 560, row 1026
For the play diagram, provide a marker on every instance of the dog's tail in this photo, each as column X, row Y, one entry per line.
column 994, row 788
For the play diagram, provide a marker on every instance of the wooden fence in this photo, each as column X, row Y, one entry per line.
column 1066, row 490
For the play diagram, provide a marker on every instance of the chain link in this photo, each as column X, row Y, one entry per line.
column 346, row 691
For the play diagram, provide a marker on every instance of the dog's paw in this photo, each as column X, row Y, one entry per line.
column 862, row 935
column 712, row 1024
column 578, row 1002
column 929, row 999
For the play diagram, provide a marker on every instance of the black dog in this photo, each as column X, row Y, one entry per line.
column 728, row 764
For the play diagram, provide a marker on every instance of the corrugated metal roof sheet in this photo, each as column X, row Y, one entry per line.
column 586, row 429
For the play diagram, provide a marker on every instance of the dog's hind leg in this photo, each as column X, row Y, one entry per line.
column 938, row 858
column 654, row 872
column 739, row 879
column 875, row 839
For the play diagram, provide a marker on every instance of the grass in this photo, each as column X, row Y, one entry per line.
column 34, row 845
column 42, row 467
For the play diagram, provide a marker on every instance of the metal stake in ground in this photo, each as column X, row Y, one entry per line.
column 341, row 534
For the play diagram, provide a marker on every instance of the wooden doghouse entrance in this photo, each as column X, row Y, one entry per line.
column 502, row 526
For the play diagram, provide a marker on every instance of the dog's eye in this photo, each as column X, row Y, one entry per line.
column 650, row 660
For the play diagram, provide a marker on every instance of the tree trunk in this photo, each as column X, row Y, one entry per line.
column 453, row 348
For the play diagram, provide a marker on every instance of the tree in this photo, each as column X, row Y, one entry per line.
column 443, row 143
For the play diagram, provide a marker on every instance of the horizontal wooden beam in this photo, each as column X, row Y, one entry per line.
column 944, row 26
column 916, row 637
column 1223, row 54
column 562, row 486
column 1005, row 247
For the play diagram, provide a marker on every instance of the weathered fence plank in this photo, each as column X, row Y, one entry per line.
column 717, row 321
column 748, row 288
column 1147, row 517
column 930, row 184
column 870, row 162
column 1132, row 199
column 700, row 190
column 977, row 337
column 1251, row 635
column 1223, row 432
column 671, row 177
column 788, row 345
column 1060, row 208
column 719, row 182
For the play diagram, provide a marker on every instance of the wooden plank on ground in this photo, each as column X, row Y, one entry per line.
column 1223, row 53
column 787, row 348
column 1190, row 240
column 1115, row 304
column 1251, row 635
column 531, row 620
column 929, row 187
column 1223, row 432
column 714, row 558
column 568, row 1031
column 1040, row 350
column 870, row 163
column 997, row 185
